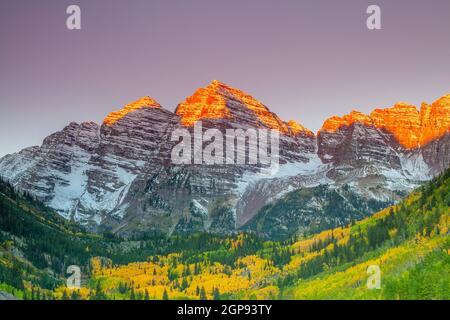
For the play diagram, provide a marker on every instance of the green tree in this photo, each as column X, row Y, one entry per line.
column 216, row 294
column 165, row 295
column 203, row 294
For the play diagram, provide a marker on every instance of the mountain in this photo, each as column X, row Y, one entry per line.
column 410, row 135
column 368, row 162
column 119, row 176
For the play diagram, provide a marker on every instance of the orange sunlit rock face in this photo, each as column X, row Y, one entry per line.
column 334, row 123
column 213, row 102
column 403, row 121
column 205, row 103
column 297, row 129
column 435, row 119
column 410, row 127
column 145, row 102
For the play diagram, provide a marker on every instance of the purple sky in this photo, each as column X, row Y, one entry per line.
column 306, row 60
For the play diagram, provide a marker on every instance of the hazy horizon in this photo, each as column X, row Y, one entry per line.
column 305, row 60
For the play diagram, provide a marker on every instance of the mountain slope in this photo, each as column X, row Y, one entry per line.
column 310, row 210
column 36, row 245
column 410, row 242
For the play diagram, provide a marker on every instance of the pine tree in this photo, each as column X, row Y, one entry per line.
column 184, row 284
column 98, row 292
column 197, row 291
column 203, row 294
column 64, row 296
column 216, row 294
column 74, row 295
column 165, row 295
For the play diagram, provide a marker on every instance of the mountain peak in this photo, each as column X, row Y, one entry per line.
column 402, row 120
column 144, row 102
column 205, row 103
column 216, row 83
column 221, row 101
column 335, row 123
column 443, row 102
column 410, row 127
column 296, row 128
column 435, row 119
column 403, row 105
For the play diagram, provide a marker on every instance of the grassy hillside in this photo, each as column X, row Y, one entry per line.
column 409, row 242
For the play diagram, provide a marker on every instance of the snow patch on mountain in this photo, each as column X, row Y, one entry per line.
column 415, row 167
column 71, row 186
column 312, row 166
